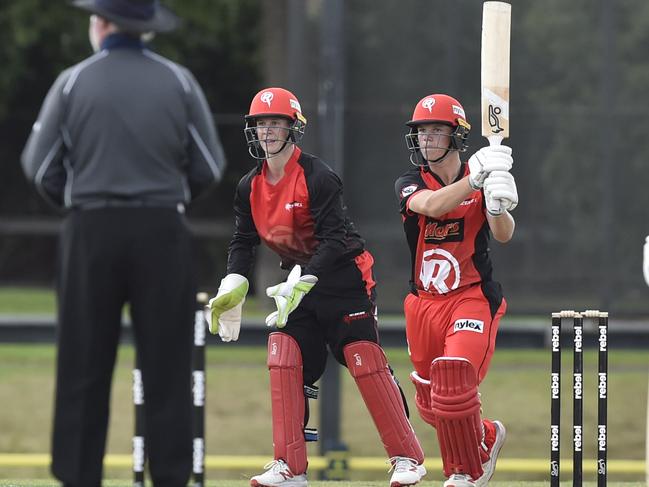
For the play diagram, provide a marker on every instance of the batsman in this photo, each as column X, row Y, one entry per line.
column 449, row 210
column 293, row 202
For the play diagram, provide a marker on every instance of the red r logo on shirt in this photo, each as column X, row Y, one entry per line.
column 436, row 268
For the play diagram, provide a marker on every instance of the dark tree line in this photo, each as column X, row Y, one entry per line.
column 218, row 42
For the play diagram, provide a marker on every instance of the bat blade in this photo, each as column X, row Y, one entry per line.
column 496, row 28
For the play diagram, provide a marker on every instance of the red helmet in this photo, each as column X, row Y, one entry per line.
column 273, row 102
column 276, row 102
column 438, row 108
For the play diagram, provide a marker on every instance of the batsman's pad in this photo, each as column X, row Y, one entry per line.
column 369, row 368
column 422, row 398
column 456, row 405
column 287, row 396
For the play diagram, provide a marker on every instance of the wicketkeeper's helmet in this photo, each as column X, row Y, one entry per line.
column 273, row 102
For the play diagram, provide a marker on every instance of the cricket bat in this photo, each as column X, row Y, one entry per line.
column 496, row 26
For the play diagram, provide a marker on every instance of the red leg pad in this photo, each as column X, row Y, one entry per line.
column 287, row 401
column 369, row 368
column 423, row 399
column 455, row 403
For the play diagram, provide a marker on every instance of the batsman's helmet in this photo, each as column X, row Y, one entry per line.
column 273, row 102
column 439, row 108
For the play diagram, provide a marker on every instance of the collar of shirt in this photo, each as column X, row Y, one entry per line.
column 288, row 168
column 121, row 41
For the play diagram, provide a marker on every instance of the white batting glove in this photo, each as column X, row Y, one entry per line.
column 486, row 160
column 223, row 311
column 288, row 294
column 645, row 263
column 500, row 192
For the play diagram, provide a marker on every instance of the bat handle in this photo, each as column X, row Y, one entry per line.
column 495, row 140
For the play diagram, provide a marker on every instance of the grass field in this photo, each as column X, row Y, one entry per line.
column 33, row 300
column 15, row 300
column 42, row 301
column 516, row 391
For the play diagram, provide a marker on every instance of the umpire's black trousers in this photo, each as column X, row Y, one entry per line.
column 109, row 257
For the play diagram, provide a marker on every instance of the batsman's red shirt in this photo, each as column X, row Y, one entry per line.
column 454, row 306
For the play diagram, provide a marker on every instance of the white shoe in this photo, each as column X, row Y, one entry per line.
column 489, row 467
column 278, row 474
column 460, row 480
column 406, row 471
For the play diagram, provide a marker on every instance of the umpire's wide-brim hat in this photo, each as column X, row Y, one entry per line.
column 133, row 15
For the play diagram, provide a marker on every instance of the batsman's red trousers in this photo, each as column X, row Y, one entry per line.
column 459, row 324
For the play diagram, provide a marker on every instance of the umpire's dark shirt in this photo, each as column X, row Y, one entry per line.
column 125, row 124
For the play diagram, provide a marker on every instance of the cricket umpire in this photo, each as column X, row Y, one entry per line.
column 123, row 142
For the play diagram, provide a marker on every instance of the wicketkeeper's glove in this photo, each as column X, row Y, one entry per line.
column 223, row 311
column 288, row 294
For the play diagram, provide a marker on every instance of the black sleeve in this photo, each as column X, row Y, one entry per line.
column 328, row 212
column 407, row 185
column 241, row 252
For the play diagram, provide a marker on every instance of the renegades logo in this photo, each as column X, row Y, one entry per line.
column 439, row 270
column 267, row 97
column 437, row 231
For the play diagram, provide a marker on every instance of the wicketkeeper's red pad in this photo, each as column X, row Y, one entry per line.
column 455, row 403
column 422, row 398
column 287, row 396
column 367, row 364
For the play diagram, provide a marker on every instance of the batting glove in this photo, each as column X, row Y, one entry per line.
column 288, row 294
column 486, row 160
column 223, row 311
column 500, row 192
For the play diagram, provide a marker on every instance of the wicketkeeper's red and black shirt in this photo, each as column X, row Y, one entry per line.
column 302, row 218
column 449, row 252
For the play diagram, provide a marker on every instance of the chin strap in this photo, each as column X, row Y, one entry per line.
column 440, row 159
column 420, row 161
column 268, row 156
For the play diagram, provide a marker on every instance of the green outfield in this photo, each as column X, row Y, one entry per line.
column 17, row 300
column 238, row 412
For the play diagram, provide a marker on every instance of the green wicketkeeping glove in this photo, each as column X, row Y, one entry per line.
column 224, row 309
column 288, row 294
